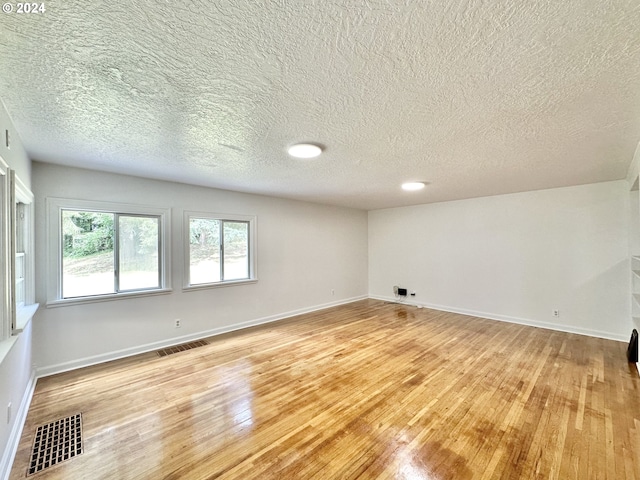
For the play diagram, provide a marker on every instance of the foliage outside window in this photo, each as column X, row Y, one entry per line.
column 220, row 249
column 100, row 252
column 109, row 253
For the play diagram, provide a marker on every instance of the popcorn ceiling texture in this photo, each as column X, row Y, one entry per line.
column 474, row 97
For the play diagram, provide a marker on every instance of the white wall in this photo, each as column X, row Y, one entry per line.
column 633, row 180
column 513, row 257
column 16, row 371
column 17, row 381
column 634, row 253
column 304, row 251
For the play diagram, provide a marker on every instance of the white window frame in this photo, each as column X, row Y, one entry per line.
column 22, row 229
column 6, row 315
column 55, row 206
column 251, row 249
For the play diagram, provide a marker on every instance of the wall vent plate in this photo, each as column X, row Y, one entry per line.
column 181, row 348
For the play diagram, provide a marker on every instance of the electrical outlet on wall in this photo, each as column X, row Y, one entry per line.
column 555, row 312
column 178, row 323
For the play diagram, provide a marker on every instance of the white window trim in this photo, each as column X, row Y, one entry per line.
column 24, row 313
column 5, row 255
column 252, row 249
column 54, row 207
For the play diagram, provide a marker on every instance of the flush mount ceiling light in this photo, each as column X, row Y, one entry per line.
column 412, row 186
column 304, row 150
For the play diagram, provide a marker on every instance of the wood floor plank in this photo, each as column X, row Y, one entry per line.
column 364, row 390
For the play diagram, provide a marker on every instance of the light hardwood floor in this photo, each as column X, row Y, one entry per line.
column 365, row 390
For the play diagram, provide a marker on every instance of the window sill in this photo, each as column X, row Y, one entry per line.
column 205, row 286
column 67, row 302
column 24, row 316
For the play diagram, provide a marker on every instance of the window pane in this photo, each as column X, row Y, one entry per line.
column 138, row 246
column 87, row 253
column 20, row 254
column 236, row 251
column 204, row 251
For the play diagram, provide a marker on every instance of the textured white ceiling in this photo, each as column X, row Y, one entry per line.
column 474, row 97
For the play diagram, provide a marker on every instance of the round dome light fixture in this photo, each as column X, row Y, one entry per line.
column 304, row 150
column 412, row 186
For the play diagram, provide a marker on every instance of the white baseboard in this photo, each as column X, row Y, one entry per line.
column 509, row 319
column 149, row 347
column 16, row 431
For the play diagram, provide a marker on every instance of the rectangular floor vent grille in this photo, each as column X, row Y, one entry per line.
column 56, row 442
column 181, row 348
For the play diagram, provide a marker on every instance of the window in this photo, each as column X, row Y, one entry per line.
column 21, row 253
column 17, row 289
column 220, row 249
column 22, row 276
column 6, row 321
column 106, row 250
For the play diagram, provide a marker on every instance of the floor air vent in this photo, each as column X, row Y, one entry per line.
column 181, row 348
column 56, row 442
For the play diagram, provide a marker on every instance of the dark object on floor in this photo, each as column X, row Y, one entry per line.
column 632, row 349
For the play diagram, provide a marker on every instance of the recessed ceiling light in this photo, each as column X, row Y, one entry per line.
column 304, row 150
column 412, row 186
